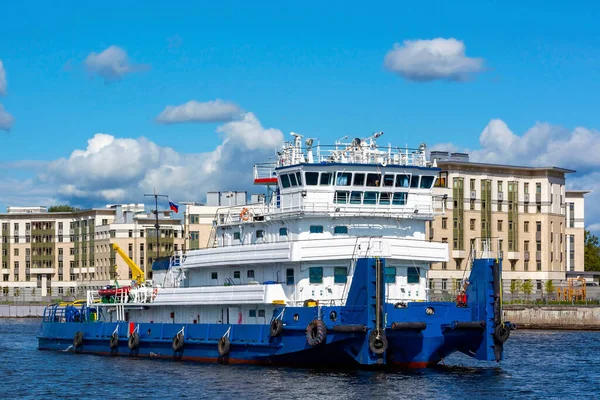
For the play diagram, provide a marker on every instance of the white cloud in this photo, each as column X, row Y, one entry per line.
column 428, row 60
column 194, row 111
column 2, row 79
column 6, row 120
column 112, row 64
column 111, row 169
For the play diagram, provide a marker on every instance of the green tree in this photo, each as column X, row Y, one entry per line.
column 592, row 252
column 527, row 288
column 515, row 287
column 33, row 293
column 549, row 288
column 62, row 208
column 17, row 292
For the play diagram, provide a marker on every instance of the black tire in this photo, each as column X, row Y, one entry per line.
column 178, row 342
column 134, row 341
column 114, row 341
column 377, row 345
column 276, row 327
column 501, row 333
column 316, row 333
column 78, row 339
column 224, row 346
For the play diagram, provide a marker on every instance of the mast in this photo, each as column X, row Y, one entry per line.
column 156, row 225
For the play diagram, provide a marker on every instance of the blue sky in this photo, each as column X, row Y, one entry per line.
column 306, row 67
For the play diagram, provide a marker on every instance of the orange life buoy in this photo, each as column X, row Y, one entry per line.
column 244, row 215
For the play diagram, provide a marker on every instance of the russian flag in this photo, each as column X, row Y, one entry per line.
column 173, row 206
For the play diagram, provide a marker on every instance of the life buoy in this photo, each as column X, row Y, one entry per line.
column 178, row 342
column 245, row 214
column 316, row 333
column 378, row 343
column 276, row 327
column 501, row 333
column 154, row 293
column 134, row 341
column 224, row 346
column 78, row 339
column 114, row 341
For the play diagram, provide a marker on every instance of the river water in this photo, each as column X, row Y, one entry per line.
column 538, row 364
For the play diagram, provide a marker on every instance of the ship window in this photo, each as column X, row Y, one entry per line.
column 214, row 275
column 236, row 275
column 326, row 178
column 312, row 178
column 236, row 236
column 389, row 275
column 426, row 182
column 359, row 180
column 412, row 275
column 402, row 180
column 293, row 180
column 414, row 182
column 282, row 231
column 343, row 178
column 400, row 199
column 340, row 275
column 370, row 198
column 260, row 234
column 299, row 177
column 261, row 313
column 252, row 313
column 388, row 180
column 316, row 229
column 285, row 181
column 315, row 275
column 250, row 274
column 385, row 199
column 340, row 230
column 289, row 276
column 341, row 197
column 373, row 180
column 355, row 197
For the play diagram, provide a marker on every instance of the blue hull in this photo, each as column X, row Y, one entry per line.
column 413, row 335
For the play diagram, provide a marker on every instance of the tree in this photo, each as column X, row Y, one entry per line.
column 62, row 208
column 33, row 293
column 17, row 292
column 515, row 287
column 527, row 288
column 549, row 288
column 592, row 252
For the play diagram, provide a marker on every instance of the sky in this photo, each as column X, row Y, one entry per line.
column 101, row 103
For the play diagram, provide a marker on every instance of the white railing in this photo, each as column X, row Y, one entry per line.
column 139, row 295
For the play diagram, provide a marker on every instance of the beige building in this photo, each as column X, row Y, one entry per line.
column 522, row 212
column 64, row 253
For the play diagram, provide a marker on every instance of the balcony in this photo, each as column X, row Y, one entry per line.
column 526, row 256
column 526, row 198
column 60, row 258
column 38, row 271
column 500, row 196
column 473, row 194
column 514, row 255
column 461, row 254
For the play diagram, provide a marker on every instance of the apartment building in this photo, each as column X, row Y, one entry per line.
column 522, row 212
column 55, row 254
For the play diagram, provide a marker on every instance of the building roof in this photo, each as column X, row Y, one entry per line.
column 475, row 165
column 576, row 193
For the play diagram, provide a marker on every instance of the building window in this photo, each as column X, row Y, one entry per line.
column 16, row 252
column 213, row 275
column 430, row 284
column 315, row 275
column 472, row 184
column 412, row 275
column 444, row 223
column 571, row 215
column 283, row 231
column 340, row 230
column 340, row 275
column 526, row 265
column 236, row 236
column 472, row 204
column 289, row 276
column 499, row 186
column 236, row 275
column 526, row 226
column 538, row 188
column 444, row 284
column 389, row 275
column 260, row 234
column 472, row 224
column 538, row 226
column 526, row 188
column 444, row 265
column 130, row 233
column 538, row 266
column 538, row 209
column 499, row 207
column 250, row 274
column 316, row 229
column 194, row 218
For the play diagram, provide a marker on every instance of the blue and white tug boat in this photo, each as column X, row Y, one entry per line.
column 329, row 270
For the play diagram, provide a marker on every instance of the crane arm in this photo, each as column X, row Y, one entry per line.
column 136, row 272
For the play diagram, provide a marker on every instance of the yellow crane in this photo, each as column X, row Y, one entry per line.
column 136, row 272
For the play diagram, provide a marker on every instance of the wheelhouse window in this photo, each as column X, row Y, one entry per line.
column 388, row 180
column 236, row 274
column 289, row 276
column 250, row 274
column 343, row 178
column 285, row 181
column 374, row 180
column 370, row 197
column 356, row 198
column 340, row 275
column 412, row 275
column 400, row 199
column 299, row 178
column 252, row 313
column 236, row 236
column 312, row 178
column 315, row 275
column 326, row 179
column 426, row 181
column 389, row 275
column 340, row 230
column 414, row 182
column 260, row 234
column 385, row 199
column 283, row 231
column 359, row 180
column 293, row 180
column 316, row 229
column 341, row 197
column 214, row 275
column 402, row 180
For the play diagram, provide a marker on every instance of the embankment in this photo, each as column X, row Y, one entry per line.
column 21, row 310
column 553, row 317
